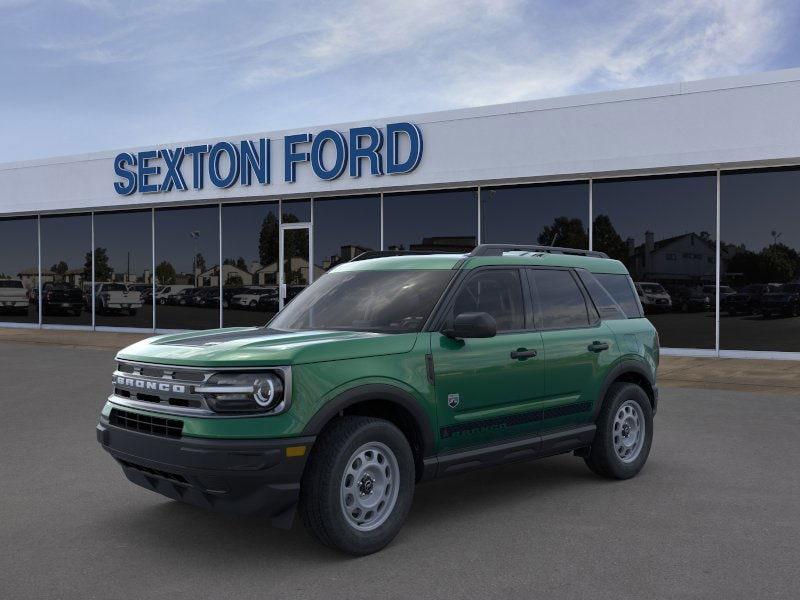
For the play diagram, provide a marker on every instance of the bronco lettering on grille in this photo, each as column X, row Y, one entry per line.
column 143, row 384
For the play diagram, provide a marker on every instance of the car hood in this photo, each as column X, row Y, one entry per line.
column 257, row 346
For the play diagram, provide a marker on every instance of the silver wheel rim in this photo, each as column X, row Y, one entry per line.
column 629, row 431
column 369, row 487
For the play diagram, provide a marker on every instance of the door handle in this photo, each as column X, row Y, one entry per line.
column 597, row 346
column 522, row 353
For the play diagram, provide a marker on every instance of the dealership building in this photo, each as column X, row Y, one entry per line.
column 694, row 186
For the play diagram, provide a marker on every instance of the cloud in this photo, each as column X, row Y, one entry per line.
column 467, row 52
column 199, row 68
column 677, row 41
column 357, row 34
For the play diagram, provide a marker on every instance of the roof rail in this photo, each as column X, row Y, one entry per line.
column 500, row 249
column 384, row 253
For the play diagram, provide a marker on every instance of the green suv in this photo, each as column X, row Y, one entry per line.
column 386, row 372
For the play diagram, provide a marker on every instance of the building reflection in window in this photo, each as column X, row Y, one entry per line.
column 123, row 268
column 19, row 270
column 345, row 228
column 760, row 260
column 187, row 267
column 661, row 228
column 67, row 269
column 249, row 263
column 444, row 221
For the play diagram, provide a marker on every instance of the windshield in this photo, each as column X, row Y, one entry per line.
column 10, row 283
column 379, row 301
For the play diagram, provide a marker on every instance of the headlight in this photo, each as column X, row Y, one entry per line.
column 243, row 392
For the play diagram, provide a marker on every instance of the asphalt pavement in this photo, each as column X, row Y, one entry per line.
column 714, row 514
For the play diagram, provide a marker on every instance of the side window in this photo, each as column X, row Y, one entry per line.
column 606, row 305
column 494, row 291
column 561, row 302
column 621, row 289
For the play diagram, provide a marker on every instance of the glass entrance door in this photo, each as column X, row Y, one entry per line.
column 295, row 269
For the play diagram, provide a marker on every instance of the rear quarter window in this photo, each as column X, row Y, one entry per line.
column 620, row 288
column 606, row 305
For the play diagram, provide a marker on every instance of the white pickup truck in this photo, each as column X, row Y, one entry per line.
column 13, row 296
column 116, row 297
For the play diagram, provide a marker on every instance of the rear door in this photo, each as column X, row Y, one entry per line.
column 578, row 346
column 485, row 387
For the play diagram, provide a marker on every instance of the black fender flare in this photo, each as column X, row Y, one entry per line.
column 622, row 367
column 375, row 391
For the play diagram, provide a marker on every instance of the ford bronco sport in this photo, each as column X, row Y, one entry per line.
column 387, row 372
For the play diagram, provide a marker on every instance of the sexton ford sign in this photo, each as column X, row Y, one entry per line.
column 330, row 153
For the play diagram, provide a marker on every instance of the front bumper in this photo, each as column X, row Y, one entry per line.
column 124, row 305
column 245, row 477
column 14, row 303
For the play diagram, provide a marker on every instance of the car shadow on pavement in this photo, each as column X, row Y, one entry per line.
column 195, row 533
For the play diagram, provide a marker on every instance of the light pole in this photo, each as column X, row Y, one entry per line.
column 195, row 235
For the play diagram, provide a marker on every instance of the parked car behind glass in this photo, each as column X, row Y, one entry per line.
column 61, row 298
column 747, row 301
column 784, row 301
column 654, row 297
column 13, row 296
column 691, row 299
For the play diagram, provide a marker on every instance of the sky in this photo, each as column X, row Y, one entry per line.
column 88, row 75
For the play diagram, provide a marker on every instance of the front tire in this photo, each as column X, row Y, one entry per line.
column 358, row 486
column 624, row 433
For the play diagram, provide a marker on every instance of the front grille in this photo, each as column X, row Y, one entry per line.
column 161, row 385
column 171, row 428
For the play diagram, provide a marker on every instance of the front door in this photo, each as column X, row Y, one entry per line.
column 295, row 269
column 487, row 388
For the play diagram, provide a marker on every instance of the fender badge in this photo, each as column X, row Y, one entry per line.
column 453, row 400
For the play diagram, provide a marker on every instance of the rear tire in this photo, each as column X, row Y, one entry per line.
column 624, row 433
column 358, row 486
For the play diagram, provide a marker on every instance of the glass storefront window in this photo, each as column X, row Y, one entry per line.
column 249, row 263
column 67, row 269
column 19, row 270
column 296, row 211
column 187, row 270
column 345, row 228
column 661, row 228
column 123, row 267
column 760, row 260
column 547, row 214
column 431, row 221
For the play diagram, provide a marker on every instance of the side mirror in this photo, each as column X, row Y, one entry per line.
column 472, row 325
